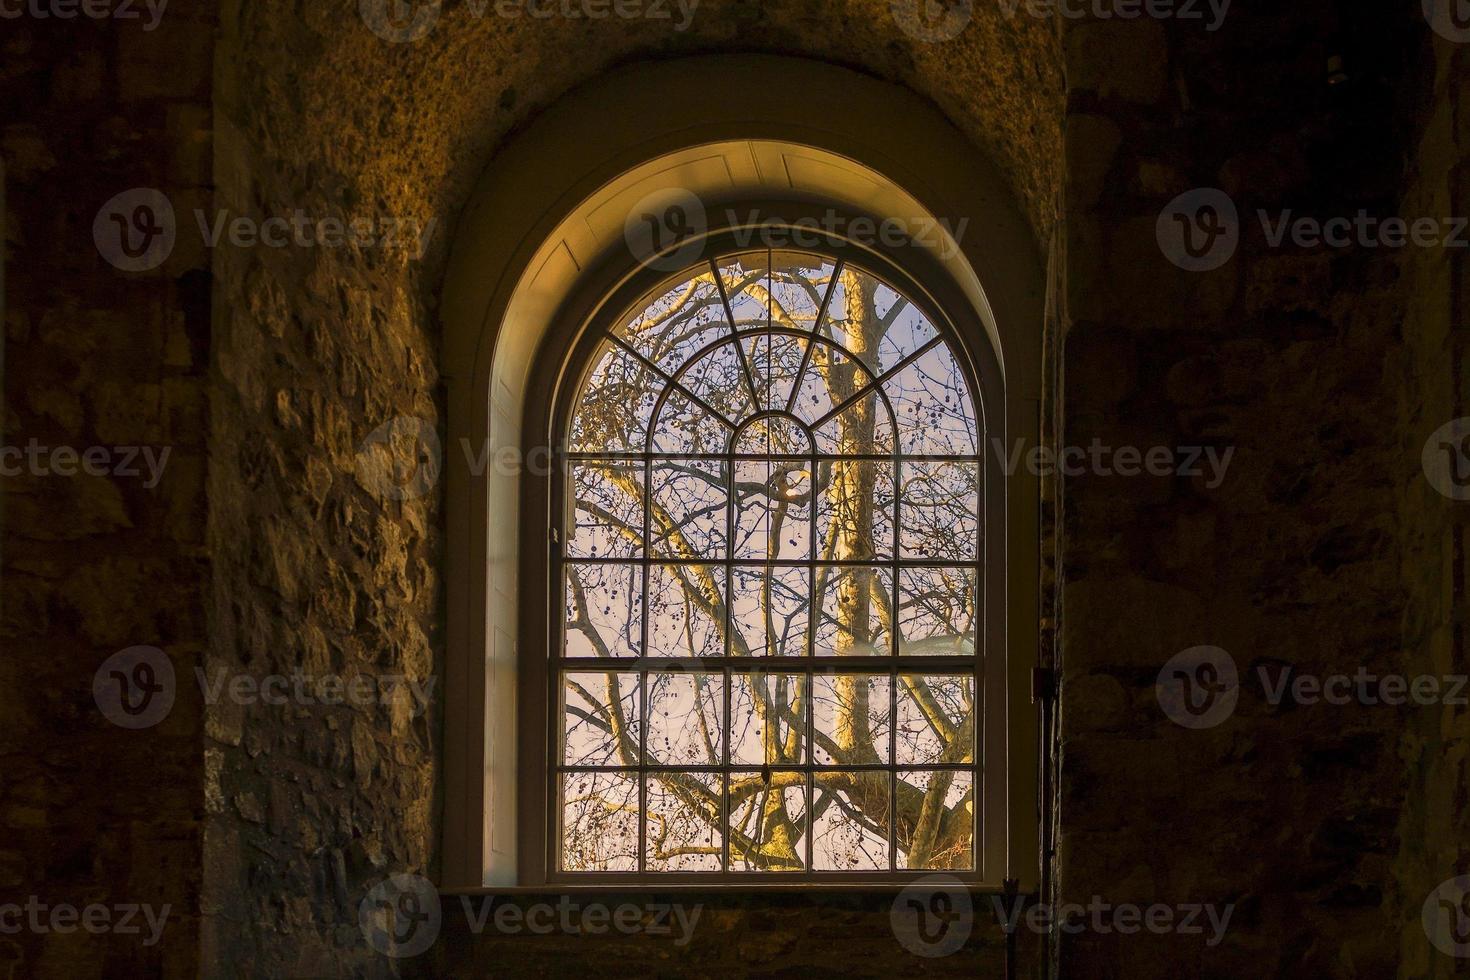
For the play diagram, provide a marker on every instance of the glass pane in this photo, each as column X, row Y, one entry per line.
column 830, row 379
column 773, row 515
column 687, row 517
column 683, row 427
column 773, row 436
column 855, row 612
column 939, row 510
column 767, row 719
column 684, row 830
column 931, row 401
column 686, row 605
column 776, row 378
column 600, row 719
column 603, row 610
column 599, row 821
column 854, row 509
column 863, row 428
column 769, row 608
column 747, row 285
column 686, row 713
column 615, row 404
column 936, row 719
column 907, row 330
column 936, row 820
column 850, row 721
column 607, row 510
column 874, row 322
column 936, row 611
column 768, row 819
column 719, row 379
column 799, row 281
column 850, row 821
column 680, row 318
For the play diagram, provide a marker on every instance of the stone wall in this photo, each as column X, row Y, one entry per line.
column 1434, row 748
column 271, row 547
column 318, row 347
column 95, row 561
column 1296, row 814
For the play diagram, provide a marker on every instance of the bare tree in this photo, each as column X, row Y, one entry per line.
column 841, row 521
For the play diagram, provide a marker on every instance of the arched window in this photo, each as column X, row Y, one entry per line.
column 772, row 576
column 782, row 618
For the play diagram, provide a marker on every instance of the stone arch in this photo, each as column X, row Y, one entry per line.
column 549, row 218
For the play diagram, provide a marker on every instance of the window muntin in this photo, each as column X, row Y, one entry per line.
column 771, row 575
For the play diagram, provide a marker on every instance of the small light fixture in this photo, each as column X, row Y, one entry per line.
column 1336, row 74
